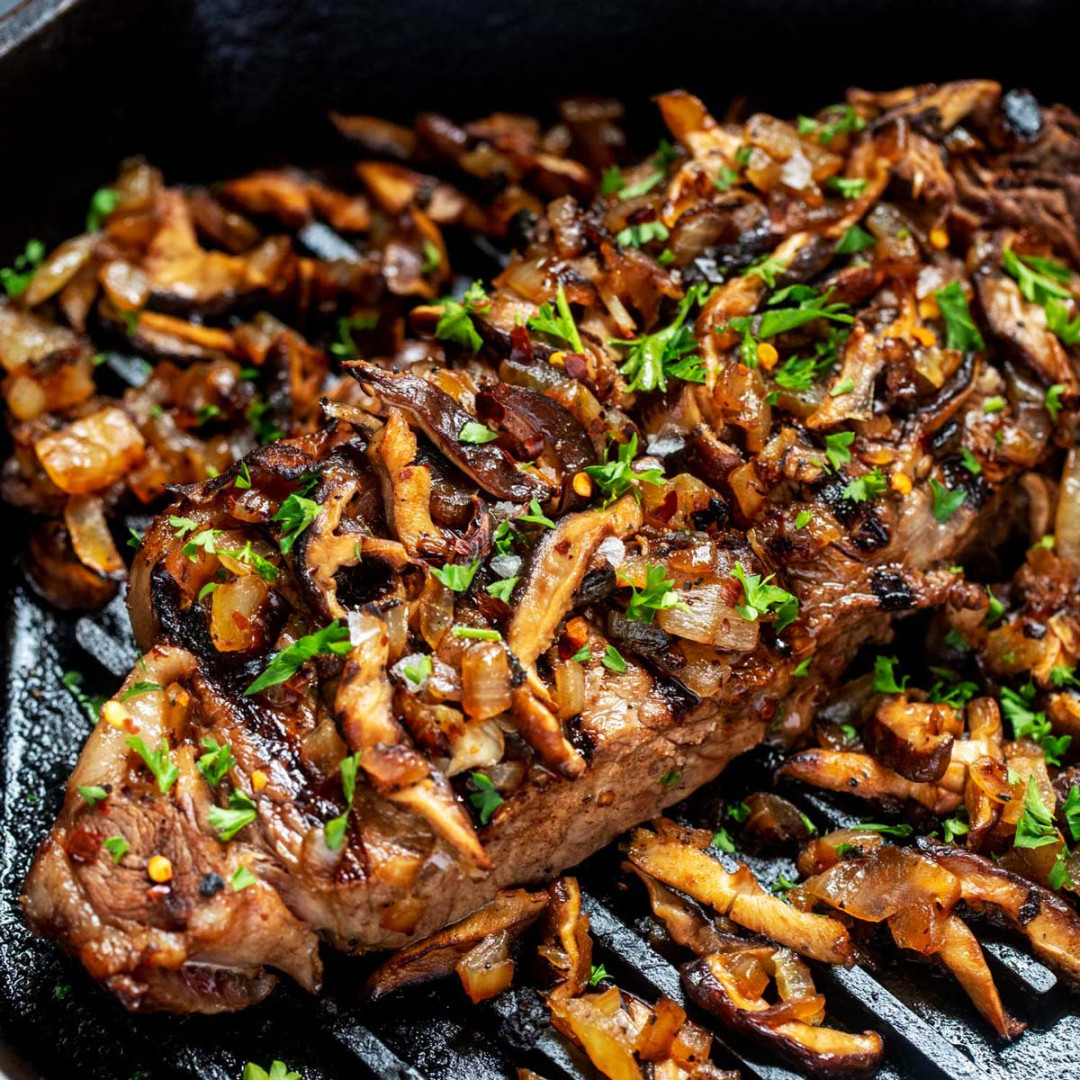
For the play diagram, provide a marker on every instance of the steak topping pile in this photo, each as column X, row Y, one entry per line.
column 530, row 556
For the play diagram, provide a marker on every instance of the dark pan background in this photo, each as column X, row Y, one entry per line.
column 205, row 87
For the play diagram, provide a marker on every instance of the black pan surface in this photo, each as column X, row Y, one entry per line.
column 203, row 87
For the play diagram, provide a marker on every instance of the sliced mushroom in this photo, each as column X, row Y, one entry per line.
column 566, row 944
column 913, row 738
column 673, row 857
column 713, row 984
column 403, row 775
column 511, row 912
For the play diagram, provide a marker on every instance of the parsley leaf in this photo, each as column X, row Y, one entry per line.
column 613, row 661
column 662, row 161
column 671, row 777
column 278, row 1071
column 616, row 477
column 486, row 799
column 722, row 840
column 455, row 323
column 295, row 514
column 597, row 974
column 946, row 502
column 502, row 590
column 477, row 434
column 658, row 594
column 116, row 846
column 92, row 794
column 243, row 879
column 845, row 120
column 417, row 674
column 849, row 187
column 1062, row 676
column 456, row 577
column 1035, row 828
column 885, row 676
column 1070, row 809
column 243, row 479
column 89, row 703
column 159, row 762
column 474, row 633
column 800, row 372
column 768, row 269
column 138, row 689
column 970, row 461
column 332, row 639
column 885, row 830
column 558, row 323
column 960, row 331
column 836, row 448
column 536, row 515
column 334, row 830
column 228, row 822
column 611, row 181
column 808, row 303
column 855, row 240
column 866, row 487
column 763, row 599
column 216, row 762
column 16, row 279
column 1058, row 321
column 1052, row 401
column 1039, row 279
column 102, row 203
column 952, row 828
column 639, row 235
column 654, row 358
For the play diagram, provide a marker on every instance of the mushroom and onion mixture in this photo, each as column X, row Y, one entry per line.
column 581, row 474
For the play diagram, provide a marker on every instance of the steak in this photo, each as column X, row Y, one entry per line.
column 543, row 574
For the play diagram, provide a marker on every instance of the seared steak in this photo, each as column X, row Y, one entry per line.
column 521, row 594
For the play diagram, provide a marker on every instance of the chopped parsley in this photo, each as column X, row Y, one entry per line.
column 456, row 577
column 1062, row 676
column 295, row 514
column 1070, row 810
column 102, row 203
column 243, row 478
column 960, row 331
column 616, row 477
column 848, row 187
column 475, row 633
column 89, row 703
column 504, row 538
column 803, row 518
column 844, row 386
column 970, row 461
column 345, row 346
column 278, row 1071
column 866, row 487
column 855, row 240
column 583, row 654
column 16, row 279
column 994, row 405
column 1039, row 279
column 330, row 640
column 949, row 689
column 1052, row 401
column 536, row 516
column 138, row 689
column 502, row 590
column 844, row 120
column 995, row 608
column 611, row 181
column 768, row 269
column 92, row 794
column 417, row 674
column 952, row 828
column 1058, row 321
column 159, row 762
column 762, row 599
column 597, row 974
column 228, row 822
column 242, row 879
column 613, row 661
column 558, row 322
column 885, row 681
column 334, row 829
column 116, row 846
column 801, row 372
column 836, row 448
column 946, row 502
column 662, row 160
column 654, row 358
column 885, row 830
column 216, row 761
column 262, row 424
column 476, row 434
column 738, row 812
column 722, row 840
column 455, row 323
column 486, row 799
column 1036, row 827
column 658, row 594
column 639, row 235
column 803, row 668
column 671, row 777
